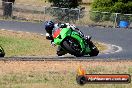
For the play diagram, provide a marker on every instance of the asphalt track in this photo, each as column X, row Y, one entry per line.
column 121, row 39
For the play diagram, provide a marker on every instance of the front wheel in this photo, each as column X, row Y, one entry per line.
column 2, row 53
column 94, row 49
column 72, row 46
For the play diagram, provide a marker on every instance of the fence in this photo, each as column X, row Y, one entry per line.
column 77, row 16
column 110, row 19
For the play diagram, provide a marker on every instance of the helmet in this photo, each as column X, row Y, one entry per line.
column 49, row 25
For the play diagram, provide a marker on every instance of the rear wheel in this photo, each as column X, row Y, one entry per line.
column 73, row 47
column 94, row 49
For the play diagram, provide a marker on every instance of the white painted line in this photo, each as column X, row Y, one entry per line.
column 42, row 34
column 119, row 48
column 28, row 32
column 111, row 48
column 3, row 29
column 9, row 30
column 20, row 31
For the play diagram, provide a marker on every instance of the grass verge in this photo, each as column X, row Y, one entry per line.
column 28, row 44
column 21, row 43
column 35, row 74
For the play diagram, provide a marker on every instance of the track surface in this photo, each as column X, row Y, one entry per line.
column 119, row 37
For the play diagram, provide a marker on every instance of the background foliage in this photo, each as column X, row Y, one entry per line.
column 116, row 6
column 65, row 3
column 111, row 6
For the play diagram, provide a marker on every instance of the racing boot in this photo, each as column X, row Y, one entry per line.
column 60, row 51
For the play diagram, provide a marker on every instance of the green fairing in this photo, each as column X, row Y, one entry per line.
column 63, row 34
column 66, row 32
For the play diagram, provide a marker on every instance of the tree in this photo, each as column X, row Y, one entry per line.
column 108, row 7
column 65, row 3
column 64, row 12
column 120, row 6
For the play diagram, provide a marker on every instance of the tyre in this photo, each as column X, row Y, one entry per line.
column 94, row 49
column 81, row 80
column 2, row 53
column 72, row 46
column 60, row 51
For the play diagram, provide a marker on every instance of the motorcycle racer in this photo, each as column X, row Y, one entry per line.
column 50, row 26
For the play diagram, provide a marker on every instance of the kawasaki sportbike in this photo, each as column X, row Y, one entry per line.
column 72, row 42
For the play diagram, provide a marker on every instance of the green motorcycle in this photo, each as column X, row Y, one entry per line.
column 73, row 43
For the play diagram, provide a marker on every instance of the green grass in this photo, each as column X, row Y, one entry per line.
column 16, row 45
column 20, row 44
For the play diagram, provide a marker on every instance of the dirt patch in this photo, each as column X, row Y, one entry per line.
column 55, row 74
column 62, row 66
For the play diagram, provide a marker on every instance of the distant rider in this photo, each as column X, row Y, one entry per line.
column 50, row 26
